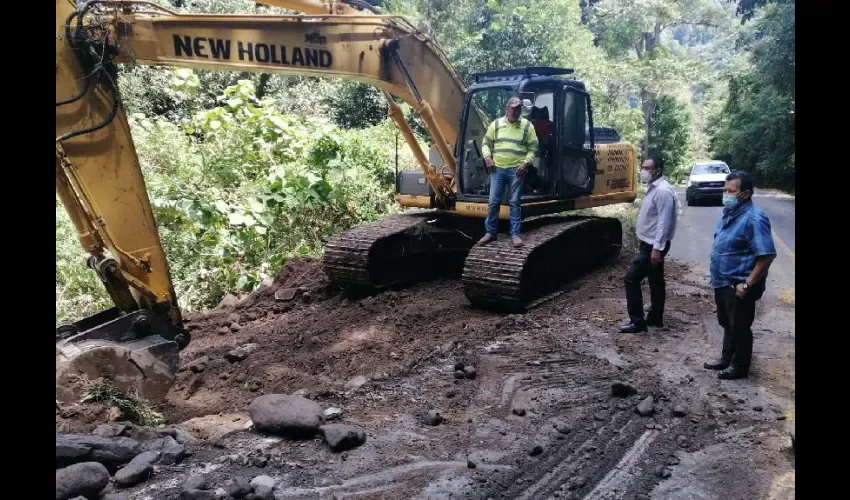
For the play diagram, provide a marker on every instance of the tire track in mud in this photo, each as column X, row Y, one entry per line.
column 566, row 391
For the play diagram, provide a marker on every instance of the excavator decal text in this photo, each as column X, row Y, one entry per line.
column 263, row 53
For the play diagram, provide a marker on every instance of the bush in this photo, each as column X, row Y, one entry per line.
column 239, row 188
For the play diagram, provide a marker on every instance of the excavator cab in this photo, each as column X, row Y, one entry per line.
column 560, row 111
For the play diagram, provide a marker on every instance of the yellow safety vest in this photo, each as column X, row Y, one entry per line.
column 509, row 144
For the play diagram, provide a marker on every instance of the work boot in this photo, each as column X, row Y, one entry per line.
column 733, row 373
column 633, row 328
column 486, row 239
column 516, row 241
column 720, row 364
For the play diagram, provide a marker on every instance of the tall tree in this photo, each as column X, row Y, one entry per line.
column 634, row 31
column 755, row 130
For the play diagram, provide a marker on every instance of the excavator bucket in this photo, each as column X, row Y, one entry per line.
column 131, row 351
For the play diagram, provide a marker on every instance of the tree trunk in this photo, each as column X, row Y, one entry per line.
column 261, row 85
column 647, row 100
column 647, row 97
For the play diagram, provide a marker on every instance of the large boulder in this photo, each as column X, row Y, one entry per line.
column 86, row 479
column 290, row 416
column 77, row 448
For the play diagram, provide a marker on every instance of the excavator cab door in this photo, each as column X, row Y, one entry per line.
column 575, row 159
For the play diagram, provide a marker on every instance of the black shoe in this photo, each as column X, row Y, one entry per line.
column 632, row 328
column 654, row 322
column 720, row 364
column 733, row 373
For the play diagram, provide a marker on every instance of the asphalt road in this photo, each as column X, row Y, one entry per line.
column 695, row 233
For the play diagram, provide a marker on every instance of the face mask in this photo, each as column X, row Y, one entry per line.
column 645, row 176
column 730, row 201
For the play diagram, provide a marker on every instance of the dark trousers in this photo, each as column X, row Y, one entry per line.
column 642, row 268
column 736, row 316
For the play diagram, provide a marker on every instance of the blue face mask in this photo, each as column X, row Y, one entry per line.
column 730, row 201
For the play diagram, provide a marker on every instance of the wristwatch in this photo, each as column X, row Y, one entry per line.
column 745, row 286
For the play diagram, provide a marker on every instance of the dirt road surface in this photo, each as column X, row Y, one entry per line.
column 538, row 420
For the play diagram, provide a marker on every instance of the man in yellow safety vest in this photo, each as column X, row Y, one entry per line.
column 509, row 147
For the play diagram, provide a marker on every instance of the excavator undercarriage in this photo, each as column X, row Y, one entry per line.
column 411, row 247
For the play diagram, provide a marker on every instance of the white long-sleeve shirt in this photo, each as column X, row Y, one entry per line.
column 656, row 224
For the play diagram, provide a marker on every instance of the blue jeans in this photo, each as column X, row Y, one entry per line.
column 499, row 179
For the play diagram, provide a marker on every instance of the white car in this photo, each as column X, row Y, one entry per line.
column 706, row 181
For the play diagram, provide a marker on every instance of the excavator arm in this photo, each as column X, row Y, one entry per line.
column 98, row 176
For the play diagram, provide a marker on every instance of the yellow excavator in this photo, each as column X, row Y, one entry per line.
column 99, row 181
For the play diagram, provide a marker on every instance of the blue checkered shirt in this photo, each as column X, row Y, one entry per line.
column 742, row 235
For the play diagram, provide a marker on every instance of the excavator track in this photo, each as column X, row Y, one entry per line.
column 399, row 249
column 556, row 248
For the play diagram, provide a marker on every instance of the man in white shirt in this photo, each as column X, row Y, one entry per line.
column 656, row 226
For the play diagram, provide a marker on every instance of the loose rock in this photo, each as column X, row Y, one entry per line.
column 223, row 330
column 200, row 364
column 355, row 383
column 133, row 474
column 77, row 448
column 679, row 411
column 109, row 430
column 86, row 479
column 198, row 482
column 342, row 437
column 536, row 450
column 757, row 408
column 646, row 407
column 172, row 451
column 470, row 372
column 460, row 374
column 238, row 487
column 519, row 412
column 622, row 389
column 285, row 294
column 433, row 418
column 261, row 493
column 291, row 416
column 471, row 464
column 683, row 441
column 265, row 481
column 459, row 366
column 241, row 352
column 562, row 428
column 229, row 300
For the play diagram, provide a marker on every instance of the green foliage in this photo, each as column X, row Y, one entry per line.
column 671, row 135
column 755, row 130
column 240, row 187
column 77, row 290
column 357, row 105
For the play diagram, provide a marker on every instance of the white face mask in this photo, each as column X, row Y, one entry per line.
column 645, row 176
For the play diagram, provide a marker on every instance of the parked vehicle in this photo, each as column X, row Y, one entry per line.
column 706, row 181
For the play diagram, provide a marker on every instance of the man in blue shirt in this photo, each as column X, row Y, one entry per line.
column 742, row 253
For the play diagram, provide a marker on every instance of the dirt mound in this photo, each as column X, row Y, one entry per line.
column 300, row 332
